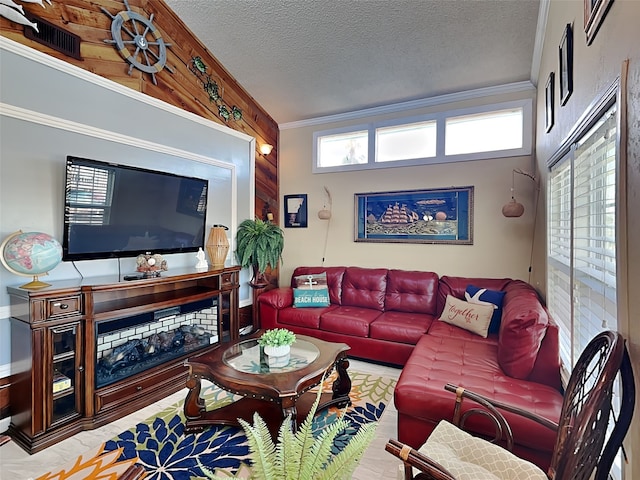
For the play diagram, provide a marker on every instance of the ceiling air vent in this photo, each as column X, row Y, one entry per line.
column 54, row 37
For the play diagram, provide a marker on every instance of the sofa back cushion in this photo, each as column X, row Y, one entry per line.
column 524, row 325
column 364, row 287
column 334, row 280
column 411, row 291
column 548, row 366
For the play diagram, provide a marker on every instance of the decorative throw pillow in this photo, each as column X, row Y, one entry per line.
column 470, row 316
column 482, row 296
column 311, row 281
column 311, row 291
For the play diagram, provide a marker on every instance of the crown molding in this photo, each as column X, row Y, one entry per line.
column 543, row 15
column 526, row 86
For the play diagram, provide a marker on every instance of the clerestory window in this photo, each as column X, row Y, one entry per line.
column 490, row 131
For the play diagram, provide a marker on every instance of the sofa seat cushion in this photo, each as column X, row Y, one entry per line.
column 349, row 320
column 444, row 329
column 436, row 361
column 401, row 327
column 304, row 317
column 411, row 291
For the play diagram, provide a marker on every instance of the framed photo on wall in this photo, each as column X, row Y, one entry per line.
column 548, row 103
column 295, row 211
column 594, row 13
column 566, row 64
column 435, row 215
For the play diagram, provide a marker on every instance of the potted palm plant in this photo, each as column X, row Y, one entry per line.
column 259, row 246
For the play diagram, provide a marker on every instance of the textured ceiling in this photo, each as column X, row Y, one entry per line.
column 302, row 59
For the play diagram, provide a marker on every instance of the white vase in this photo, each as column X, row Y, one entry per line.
column 280, row 351
column 277, row 356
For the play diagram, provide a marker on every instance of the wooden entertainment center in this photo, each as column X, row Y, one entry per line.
column 87, row 352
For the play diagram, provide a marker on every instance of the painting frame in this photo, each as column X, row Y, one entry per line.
column 565, row 51
column 430, row 216
column 548, row 103
column 295, row 210
column 594, row 13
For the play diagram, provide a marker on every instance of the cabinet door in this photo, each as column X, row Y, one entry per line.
column 228, row 315
column 64, row 379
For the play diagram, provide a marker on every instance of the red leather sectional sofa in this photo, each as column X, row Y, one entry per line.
column 392, row 316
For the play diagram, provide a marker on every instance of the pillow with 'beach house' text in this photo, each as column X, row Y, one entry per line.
column 311, row 291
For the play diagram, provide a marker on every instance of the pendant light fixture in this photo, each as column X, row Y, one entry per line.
column 514, row 208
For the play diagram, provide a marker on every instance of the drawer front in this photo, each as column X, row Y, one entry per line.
column 228, row 279
column 63, row 306
column 125, row 392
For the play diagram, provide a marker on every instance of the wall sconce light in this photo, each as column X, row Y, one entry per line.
column 265, row 148
column 267, row 214
column 513, row 208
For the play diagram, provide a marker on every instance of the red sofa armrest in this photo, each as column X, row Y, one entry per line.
column 270, row 303
column 277, row 298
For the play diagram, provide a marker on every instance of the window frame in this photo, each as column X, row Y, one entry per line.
column 440, row 118
column 567, row 153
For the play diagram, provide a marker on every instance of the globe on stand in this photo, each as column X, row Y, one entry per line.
column 30, row 254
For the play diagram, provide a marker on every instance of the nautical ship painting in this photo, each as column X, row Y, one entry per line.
column 398, row 215
column 415, row 216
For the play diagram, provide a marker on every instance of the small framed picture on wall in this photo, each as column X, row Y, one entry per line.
column 566, row 64
column 295, row 211
column 548, row 97
column 594, row 13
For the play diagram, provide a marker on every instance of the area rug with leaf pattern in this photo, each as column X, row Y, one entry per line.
column 162, row 447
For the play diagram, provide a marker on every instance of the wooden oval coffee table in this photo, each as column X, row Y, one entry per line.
column 242, row 368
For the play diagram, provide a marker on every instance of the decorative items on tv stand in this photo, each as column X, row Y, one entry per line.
column 218, row 245
column 30, row 254
column 60, row 334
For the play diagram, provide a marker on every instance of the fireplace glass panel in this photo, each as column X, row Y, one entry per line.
column 127, row 346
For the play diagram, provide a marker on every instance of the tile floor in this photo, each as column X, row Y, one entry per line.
column 16, row 464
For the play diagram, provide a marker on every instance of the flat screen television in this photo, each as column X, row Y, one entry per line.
column 113, row 211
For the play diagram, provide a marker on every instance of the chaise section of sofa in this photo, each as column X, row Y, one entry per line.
column 519, row 366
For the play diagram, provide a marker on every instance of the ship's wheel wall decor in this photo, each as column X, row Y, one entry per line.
column 138, row 41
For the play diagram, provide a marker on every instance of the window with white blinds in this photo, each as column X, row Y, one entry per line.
column 559, row 257
column 581, row 266
column 89, row 195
